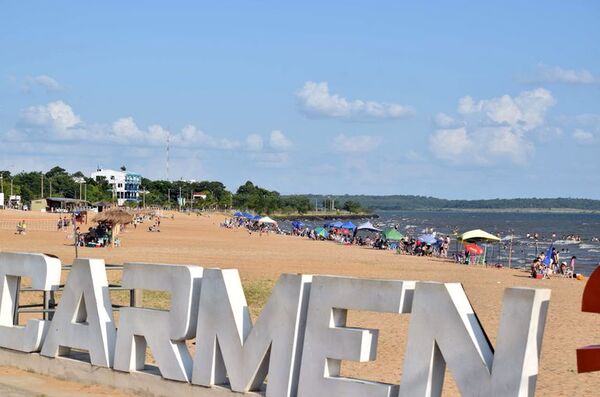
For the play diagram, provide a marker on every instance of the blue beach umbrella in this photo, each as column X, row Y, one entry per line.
column 238, row 214
column 348, row 225
column 321, row 232
column 334, row 224
column 297, row 224
column 427, row 239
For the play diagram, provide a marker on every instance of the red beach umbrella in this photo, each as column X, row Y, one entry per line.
column 474, row 249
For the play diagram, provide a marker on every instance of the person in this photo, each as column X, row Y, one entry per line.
column 572, row 265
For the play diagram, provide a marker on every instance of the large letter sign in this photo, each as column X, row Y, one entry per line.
column 227, row 344
column 328, row 341
column 444, row 330
column 84, row 318
column 297, row 344
column 45, row 275
column 164, row 331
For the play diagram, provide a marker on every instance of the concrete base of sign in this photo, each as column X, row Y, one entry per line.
column 141, row 383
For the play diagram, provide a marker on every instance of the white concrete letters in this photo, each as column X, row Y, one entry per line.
column 327, row 340
column 83, row 319
column 298, row 341
column 164, row 331
column 44, row 272
column 226, row 342
column 445, row 330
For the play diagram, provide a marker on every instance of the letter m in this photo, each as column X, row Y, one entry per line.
column 228, row 347
column 444, row 330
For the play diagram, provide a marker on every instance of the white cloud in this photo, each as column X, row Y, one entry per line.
column 254, row 142
column 442, row 120
column 42, row 81
column 278, row 141
column 583, row 136
column 316, row 100
column 57, row 115
column 525, row 111
column 57, row 121
column 494, row 130
column 355, row 144
column 556, row 74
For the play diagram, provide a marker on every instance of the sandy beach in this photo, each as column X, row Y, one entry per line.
column 191, row 239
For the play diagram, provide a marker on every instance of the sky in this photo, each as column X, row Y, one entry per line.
column 460, row 100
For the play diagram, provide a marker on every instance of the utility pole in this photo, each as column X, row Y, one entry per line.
column 180, row 200
column 42, row 189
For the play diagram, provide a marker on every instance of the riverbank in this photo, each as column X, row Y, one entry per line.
column 192, row 239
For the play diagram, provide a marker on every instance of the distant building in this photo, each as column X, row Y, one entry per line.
column 125, row 185
column 59, row 204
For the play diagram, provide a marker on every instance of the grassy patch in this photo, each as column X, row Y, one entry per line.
column 257, row 292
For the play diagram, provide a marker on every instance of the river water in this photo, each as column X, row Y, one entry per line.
column 551, row 228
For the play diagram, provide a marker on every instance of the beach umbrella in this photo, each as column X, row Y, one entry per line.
column 368, row 226
column 392, row 234
column 257, row 218
column 247, row 215
column 266, row 219
column 348, row 225
column 478, row 235
column 333, row 224
column 238, row 214
column 429, row 239
column 297, row 224
column 321, row 232
column 474, row 249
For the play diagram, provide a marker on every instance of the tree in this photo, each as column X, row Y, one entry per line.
column 352, row 206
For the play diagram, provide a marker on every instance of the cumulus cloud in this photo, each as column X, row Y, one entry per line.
column 58, row 121
column 355, row 144
column 315, row 100
column 57, row 115
column 496, row 129
column 583, row 136
column 278, row 141
column 442, row 120
column 254, row 142
column 42, row 81
column 556, row 74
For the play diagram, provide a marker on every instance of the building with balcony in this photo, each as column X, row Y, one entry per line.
column 124, row 185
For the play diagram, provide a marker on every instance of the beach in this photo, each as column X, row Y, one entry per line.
column 199, row 240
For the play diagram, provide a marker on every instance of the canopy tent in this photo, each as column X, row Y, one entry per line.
column 114, row 218
column 297, row 224
column 478, row 235
column 392, row 234
column 474, row 249
column 348, row 225
column 238, row 214
column 368, row 226
column 247, row 215
column 333, row 224
column 257, row 218
column 266, row 219
column 429, row 239
column 321, row 232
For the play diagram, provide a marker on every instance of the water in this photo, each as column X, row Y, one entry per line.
column 551, row 228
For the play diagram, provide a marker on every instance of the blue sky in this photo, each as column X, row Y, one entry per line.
column 446, row 99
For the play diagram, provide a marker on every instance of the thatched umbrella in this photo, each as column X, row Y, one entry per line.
column 114, row 218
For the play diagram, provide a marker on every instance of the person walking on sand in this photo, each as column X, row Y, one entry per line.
column 572, row 265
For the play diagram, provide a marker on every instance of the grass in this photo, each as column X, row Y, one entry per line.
column 257, row 293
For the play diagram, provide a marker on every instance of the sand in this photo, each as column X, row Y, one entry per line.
column 199, row 240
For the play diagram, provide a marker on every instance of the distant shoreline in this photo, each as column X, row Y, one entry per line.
column 504, row 210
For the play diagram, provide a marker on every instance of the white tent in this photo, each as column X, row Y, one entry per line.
column 266, row 219
column 368, row 226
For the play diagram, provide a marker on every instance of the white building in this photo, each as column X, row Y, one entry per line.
column 125, row 185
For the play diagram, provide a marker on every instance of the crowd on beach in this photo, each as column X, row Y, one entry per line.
column 544, row 265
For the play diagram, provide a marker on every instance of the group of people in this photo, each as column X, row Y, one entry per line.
column 543, row 266
column 251, row 225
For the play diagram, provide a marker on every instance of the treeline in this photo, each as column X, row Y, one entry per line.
column 59, row 183
column 402, row 202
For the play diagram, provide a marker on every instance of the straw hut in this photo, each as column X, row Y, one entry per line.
column 114, row 218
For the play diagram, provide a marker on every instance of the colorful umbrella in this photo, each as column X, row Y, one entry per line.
column 321, row 232
column 474, row 249
column 427, row 239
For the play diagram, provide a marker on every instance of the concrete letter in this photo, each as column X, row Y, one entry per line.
column 84, row 318
column 165, row 332
column 45, row 275
column 226, row 342
column 444, row 329
column 328, row 341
